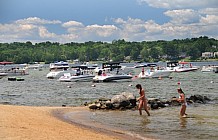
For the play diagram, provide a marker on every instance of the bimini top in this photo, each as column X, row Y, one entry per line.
column 111, row 65
column 6, row 63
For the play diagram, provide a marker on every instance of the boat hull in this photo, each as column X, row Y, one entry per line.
column 79, row 78
column 3, row 75
column 185, row 69
column 155, row 74
column 110, row 78
column 58, row 74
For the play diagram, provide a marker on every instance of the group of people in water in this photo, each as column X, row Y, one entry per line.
column 143, row 102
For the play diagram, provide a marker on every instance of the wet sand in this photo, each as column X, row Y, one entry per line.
column 23, row 122
column 50, row 123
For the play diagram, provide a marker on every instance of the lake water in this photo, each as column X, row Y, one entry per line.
column 164, row 123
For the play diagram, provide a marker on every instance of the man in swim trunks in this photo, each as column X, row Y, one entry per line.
column 183, row 101
column 142, row 100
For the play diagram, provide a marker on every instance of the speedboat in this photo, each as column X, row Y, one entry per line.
column 145, row 65
column 181, row 67
column 67, row 77
column 111, row 72
column 207, row 69
column 58, row 69
column 35, row 66
column 111, row 77
column 2, row 74
column 156, row 73
column 81, row 73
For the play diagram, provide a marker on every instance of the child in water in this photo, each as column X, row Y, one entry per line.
column 142, row 100
column 183, row 101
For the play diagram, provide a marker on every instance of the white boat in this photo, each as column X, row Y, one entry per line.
column 111, row 77
column 181, row 67
column 67, row 77
column 156, row 73
column 36, row 66
column 2, row 74
column 58, row 69
column 145, row 65
column 111, row 72
column 13, row 69
column 207, row 69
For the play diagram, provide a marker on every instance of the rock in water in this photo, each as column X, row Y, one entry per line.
column 93, row 106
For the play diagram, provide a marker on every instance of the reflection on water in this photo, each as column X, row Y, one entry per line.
column 201, row 123
column 183, row 122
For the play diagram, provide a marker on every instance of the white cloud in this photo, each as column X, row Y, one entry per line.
column 183, row 16
column 180, row 4
column 103, row 31
column 72, row 24
column 32, row 28
column 153, row 28
column 209, row 11
column 183, row 24
column 209, row 19
column 44, row 33
column 36, row 20
column 119, row 21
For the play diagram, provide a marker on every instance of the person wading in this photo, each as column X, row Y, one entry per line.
column 142, row 100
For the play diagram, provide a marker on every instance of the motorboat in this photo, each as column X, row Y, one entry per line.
column 2, row 74
column 81, row 73
column 67, row 77
column 145, row 65
column 208, row 68
column 111, row 72
column 155, row 73
column 58, row 69
column 13, row 70
column 181, row 67
column 35, row 66
column 111, row 77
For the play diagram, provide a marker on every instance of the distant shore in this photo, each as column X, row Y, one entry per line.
column 24, row 122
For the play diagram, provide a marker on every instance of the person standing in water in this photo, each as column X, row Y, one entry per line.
column 142, row 100
column 183, row 101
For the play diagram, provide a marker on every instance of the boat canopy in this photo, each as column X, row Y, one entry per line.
column 184, row 63
column 83, row 67
column 6, row 63
column 172, row 64
column 111, row 65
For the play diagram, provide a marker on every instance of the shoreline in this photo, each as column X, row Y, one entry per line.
column 24, row 122
column 85, row 123
column 27, row 122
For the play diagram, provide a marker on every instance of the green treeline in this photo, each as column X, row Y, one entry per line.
column 118, row 50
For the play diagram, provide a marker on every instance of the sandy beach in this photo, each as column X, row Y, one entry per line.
column 24, row 122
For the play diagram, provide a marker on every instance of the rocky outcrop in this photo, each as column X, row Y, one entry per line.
column 121, row 102
column 128, row 101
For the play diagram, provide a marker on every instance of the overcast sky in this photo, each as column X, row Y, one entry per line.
column 106, row 20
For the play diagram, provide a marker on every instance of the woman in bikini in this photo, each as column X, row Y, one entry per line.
column 183, row 101
column 142, row 100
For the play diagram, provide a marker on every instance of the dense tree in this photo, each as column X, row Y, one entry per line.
column 117, row 50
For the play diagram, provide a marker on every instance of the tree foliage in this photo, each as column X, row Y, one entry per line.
column 117, row 50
